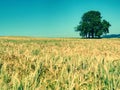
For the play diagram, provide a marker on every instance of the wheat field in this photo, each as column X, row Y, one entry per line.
column 59, row 64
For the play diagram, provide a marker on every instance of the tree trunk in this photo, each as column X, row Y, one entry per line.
column 89, row 35
column 92, row 35
column 99, row 36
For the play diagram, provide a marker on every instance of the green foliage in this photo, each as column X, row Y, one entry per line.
column 21, row 87
column 7, row 79
column 92, row 26
column 0, row 67
column 35, row 52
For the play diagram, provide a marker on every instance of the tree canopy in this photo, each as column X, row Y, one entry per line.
column 92, row 25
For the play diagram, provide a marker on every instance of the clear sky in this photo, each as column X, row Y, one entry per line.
column 53, row 18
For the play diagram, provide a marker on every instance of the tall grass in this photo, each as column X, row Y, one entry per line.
column 59, row 64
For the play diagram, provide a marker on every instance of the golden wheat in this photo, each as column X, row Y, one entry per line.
column 59, row 64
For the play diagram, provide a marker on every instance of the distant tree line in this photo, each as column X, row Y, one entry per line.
column 92, row 25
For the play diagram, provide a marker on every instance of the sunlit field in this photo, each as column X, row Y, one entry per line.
column 59, row 64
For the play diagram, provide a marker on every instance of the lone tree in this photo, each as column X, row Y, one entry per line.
column 92, row 25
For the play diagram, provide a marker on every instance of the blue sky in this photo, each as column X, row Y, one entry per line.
column 53, row 18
